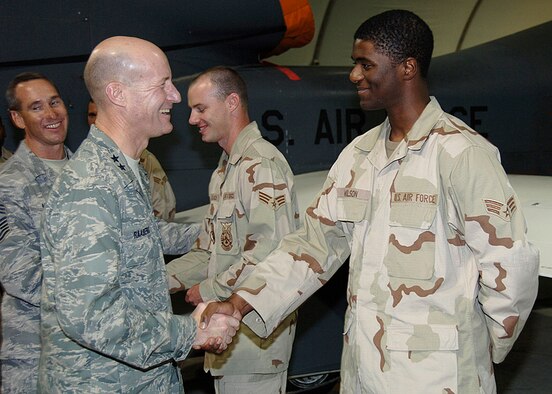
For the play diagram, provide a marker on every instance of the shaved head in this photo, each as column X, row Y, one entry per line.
column 121, row 59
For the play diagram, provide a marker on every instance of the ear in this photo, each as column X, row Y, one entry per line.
column 410, row 68
column 233, row 101
column 17, row 119
column 115, row 92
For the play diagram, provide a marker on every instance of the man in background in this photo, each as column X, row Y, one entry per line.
column 252, row 206
column 35, row 106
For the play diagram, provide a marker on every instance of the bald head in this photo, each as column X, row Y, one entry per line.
column 121, row 59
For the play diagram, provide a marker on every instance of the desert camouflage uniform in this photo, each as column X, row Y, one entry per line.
column 252, row 206
column 6, row 154
column 25, row 181
column 107, row 323
column 162, row 195
column 441, row 275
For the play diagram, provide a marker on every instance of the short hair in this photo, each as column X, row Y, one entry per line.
column 226, row 81
column 13, row 103
column 399, row 34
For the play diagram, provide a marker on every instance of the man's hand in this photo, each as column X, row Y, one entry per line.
column 235, row 306
column 215, row 336
column 193, row 296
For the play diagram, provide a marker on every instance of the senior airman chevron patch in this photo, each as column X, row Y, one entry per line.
column 4, row 227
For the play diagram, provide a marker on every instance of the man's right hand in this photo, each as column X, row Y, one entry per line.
column 234, row 306
column 215, row 335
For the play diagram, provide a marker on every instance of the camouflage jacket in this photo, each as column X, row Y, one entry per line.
column 107, row 322
column 252, row 206
column 162, row 195
column 441, row 275
column 25, row 181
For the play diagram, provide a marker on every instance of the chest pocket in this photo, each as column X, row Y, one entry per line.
column 226, row 235
column 411, row 249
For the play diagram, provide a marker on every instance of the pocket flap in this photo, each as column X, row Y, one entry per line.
column 429, row 337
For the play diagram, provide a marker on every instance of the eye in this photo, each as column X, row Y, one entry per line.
column 36, row 107
column 55, row 102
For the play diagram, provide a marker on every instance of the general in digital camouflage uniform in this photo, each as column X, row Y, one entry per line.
column 441, row 275
column 25, row 181
column 107, row 323
column 162, row 195
column 252, row 205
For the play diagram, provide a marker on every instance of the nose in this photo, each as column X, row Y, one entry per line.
column 173, row 94
column 49, row 111
column 355, row 76
column 193, row 118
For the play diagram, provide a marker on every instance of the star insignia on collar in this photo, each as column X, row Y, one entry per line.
column 122, row 167
column 115, row 158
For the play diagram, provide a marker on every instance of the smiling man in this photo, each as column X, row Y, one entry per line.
column 442, row 277
column 107, row 323
column 36, row 107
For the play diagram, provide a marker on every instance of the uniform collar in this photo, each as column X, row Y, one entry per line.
column 35, row 165
column 417, row 135
column 246, row 137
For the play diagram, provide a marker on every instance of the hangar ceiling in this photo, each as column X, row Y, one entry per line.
column 456, row 24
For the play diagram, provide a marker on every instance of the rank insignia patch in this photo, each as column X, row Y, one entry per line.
column 275, row 202
column 500, row 209
column 226, row 240
column 4, row 227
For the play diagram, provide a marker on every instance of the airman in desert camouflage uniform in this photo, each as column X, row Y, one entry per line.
column 441, row 275
column 25, row 181
column 162, row 195
column 252, row 206
column 107, row 324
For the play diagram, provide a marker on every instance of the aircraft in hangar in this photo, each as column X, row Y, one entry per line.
column 310, row 112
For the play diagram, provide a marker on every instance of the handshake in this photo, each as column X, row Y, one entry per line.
column 214, row 333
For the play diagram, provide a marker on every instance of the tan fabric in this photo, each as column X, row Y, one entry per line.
column 252, row 206
column 162, row 195
column 441, row 275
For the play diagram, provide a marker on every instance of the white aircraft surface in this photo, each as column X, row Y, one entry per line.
column 534, row 192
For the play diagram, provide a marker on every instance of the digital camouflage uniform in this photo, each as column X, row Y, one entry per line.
column 162, row 195
column 107, row 322
column 252, row 206
column 441, row 275
column 25, row 181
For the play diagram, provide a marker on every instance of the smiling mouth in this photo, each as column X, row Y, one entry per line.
column 53, row 125
column 166, row 111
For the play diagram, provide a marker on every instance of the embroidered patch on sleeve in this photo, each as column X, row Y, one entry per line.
column 4, row 227
column 500, row 209
column 275, row 202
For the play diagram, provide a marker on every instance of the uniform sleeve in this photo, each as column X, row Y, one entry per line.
column 265, row 193
column 495, row 231
column 20, row 268
column 303, row 262
column 178, row 238
column 85, row 253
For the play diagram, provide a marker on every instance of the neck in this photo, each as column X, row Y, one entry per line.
column 235, row 131
column 50, row 152
column 403, row 116
column 131, row 145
